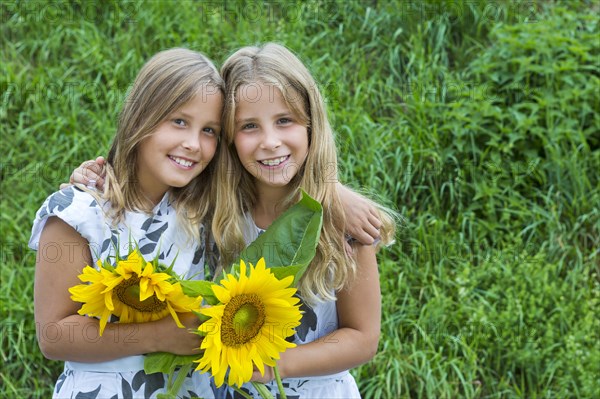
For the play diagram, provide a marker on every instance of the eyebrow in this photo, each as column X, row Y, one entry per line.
column 188, row 116
column 245, row 120
column 184, row 114
column 279, row 115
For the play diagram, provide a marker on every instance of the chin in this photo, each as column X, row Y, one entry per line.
column 179, row 184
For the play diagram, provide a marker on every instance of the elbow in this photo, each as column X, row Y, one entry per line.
column 51, row 347
column 49, row 350
column 47, row 346
column 371, row 345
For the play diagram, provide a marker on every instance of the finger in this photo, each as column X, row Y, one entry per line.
column 92, row 173
column 372, row 231
column 91, row 167
column 374, row 219
column 100, row 183
column 100, row 160
column 364, row 238
column 78, row 177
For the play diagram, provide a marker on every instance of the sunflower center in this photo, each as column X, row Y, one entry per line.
column 243, row 318
column 128, row 293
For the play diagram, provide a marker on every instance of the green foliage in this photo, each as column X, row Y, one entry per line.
column 477, row 120
column 290, row 243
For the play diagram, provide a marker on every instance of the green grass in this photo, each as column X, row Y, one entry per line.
column 478, row 121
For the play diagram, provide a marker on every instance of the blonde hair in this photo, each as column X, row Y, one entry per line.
column 275, row 65
column 165, row 83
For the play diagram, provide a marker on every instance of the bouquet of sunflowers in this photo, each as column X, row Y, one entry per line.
column 240, row 326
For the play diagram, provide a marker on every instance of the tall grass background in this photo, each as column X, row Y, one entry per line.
column 478, row 121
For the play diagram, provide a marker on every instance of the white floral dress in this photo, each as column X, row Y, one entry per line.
column 317, row 322
column 156, row 234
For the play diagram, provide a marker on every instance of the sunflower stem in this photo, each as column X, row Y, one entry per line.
column 239, row 390
column 262, row 390
column 183, row 371
column 279, row 383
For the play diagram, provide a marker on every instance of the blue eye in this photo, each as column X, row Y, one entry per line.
column 248, row 126
column 209, row 131
column 179, row 122
column 284, row 121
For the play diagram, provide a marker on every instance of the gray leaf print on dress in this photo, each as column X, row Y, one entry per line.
column 126, row 388
column 148, row 223
column 164, row 255
column 89, row 395
column 151, row 382
column 307, row 323
column 148, row 248
column 114, row 240
column 60, row 382
column 155, row 235
column 58, row 202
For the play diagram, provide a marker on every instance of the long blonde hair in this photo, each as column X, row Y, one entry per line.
column 276, row 66
column 165, row 83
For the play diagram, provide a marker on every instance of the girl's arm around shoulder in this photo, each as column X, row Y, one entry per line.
column 362, row 218
column 355, row 341
column 65, row 335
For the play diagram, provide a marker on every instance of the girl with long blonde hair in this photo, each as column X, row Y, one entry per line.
column 277, row 140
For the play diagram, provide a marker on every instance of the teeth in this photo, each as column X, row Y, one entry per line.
column 182, row 162
column 273, row 162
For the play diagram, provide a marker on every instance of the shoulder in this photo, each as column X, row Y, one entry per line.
column 72, row 202
column 76, row 207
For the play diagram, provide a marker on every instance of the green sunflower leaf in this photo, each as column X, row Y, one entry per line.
column 290, row 243
column 201, row 288
column 163, row 362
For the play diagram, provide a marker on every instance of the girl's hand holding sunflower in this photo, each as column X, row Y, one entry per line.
column 183, row 343
column 266, row 378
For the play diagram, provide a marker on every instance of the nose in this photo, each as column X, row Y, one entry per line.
column 270, row 139
column 192, row 142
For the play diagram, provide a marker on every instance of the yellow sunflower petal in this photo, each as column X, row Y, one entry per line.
column 174, row 315
column 111, row 282
column 148, row 270
column 108, row 301
column 221, row 293
column 145, row 293
column 104, row 320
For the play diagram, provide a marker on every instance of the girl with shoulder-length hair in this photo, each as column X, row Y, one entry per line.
column 159, row 178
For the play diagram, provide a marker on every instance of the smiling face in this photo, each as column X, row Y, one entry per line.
column 181, row 147
column 271, row 142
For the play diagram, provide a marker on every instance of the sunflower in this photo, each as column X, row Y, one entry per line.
column 255, row 315
column 133, row 291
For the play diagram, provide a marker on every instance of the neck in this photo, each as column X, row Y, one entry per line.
column 153, row 198
column 268, row 206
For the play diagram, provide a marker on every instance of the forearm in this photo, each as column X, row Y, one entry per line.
column 76, row 338
column 63, row 334
column 341, row 350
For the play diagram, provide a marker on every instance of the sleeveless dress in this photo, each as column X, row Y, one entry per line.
column 156, row 234
column 317, row 322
